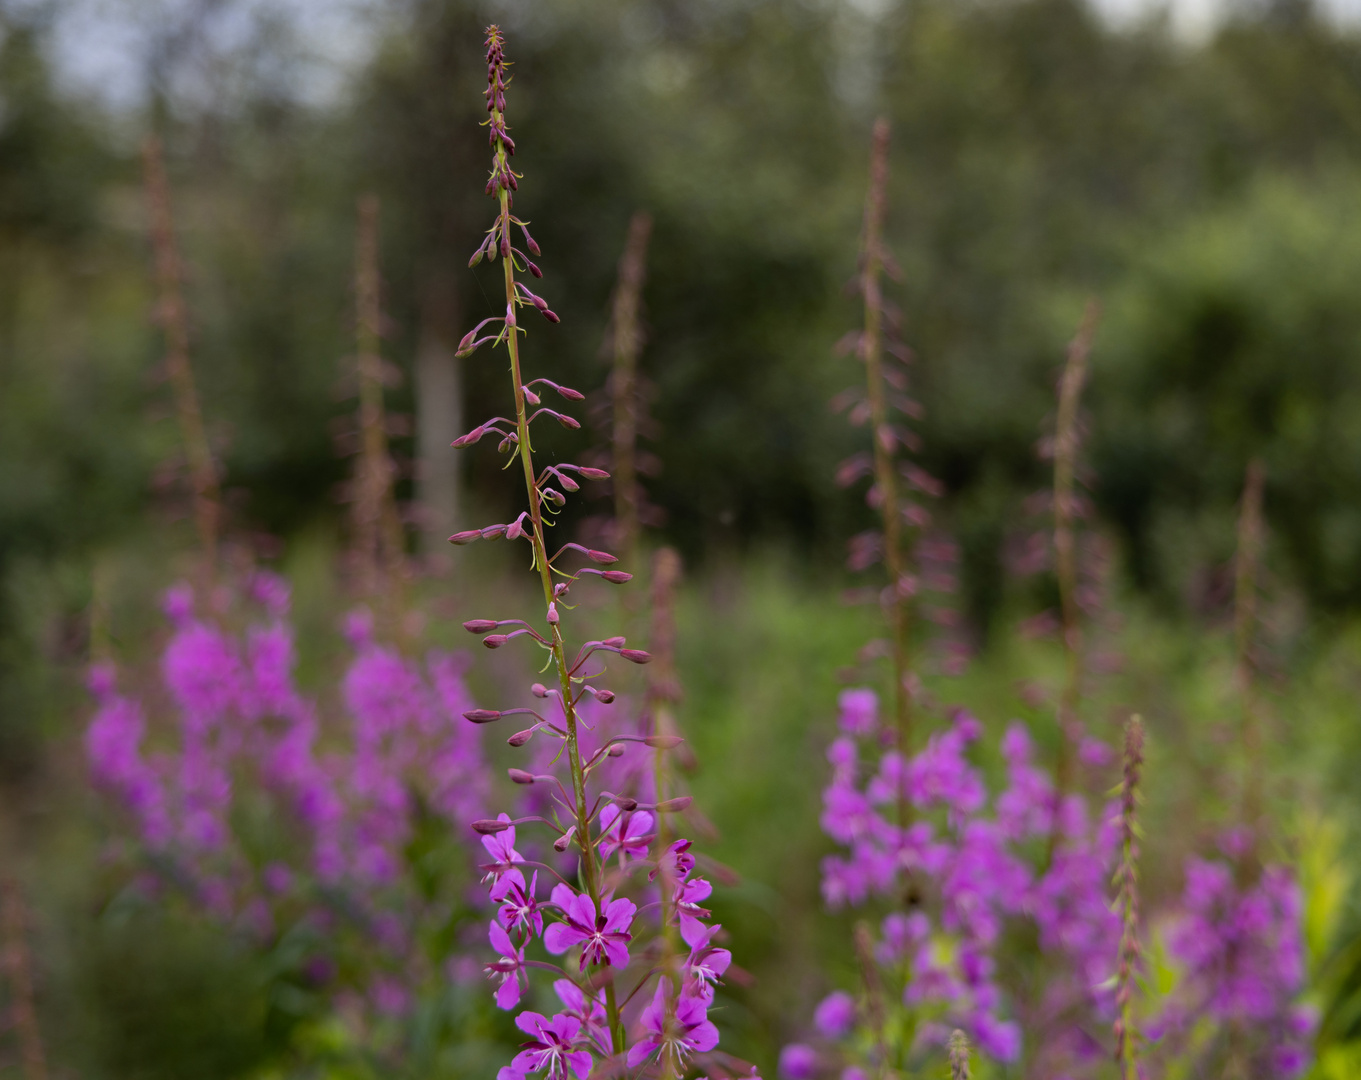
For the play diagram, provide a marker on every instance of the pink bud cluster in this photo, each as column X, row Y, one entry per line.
column 232, row 731
column 610, row 889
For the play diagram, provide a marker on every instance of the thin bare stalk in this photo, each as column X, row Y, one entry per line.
column 377, row 528
column 19, row 973
column 203, row 474
column 663, row 693
column 900, row 586
column 1247, row 570
column 874, row 993
column 628, row 340
column 1067, row 440
column 1127, row 901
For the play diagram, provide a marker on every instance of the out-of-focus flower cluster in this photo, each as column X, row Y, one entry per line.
column 275, row 818
column 983, row 873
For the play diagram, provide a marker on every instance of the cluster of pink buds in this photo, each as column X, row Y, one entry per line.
column 624, row 996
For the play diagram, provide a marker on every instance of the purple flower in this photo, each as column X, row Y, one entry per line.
column 858, row 711
column 629, row 832
column 507, row 972
column 518, row 908
column 687, row 899
column 587, row 1009
column 706, row 963
column 686, row 1031
column 603, row 938
column 798, row 1062
column 835, row 1016
column 551, row 1048
column 501, row 847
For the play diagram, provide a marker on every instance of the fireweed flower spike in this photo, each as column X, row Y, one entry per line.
column 615, row 838
column 1127, row 900
column 959, row 1056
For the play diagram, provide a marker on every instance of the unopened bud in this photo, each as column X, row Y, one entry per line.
column 488, row 827
column 663, row 742
column 521, row 737
column 466, row 537
column 635, row 656
column 533, row 269
column 626, row 804
column 673, row 806
column 563, row 842
column 531, row 397
column 552, row 614
column 588, row 473
column 495, row 641
column 539, row 690
column 551, row 316
column 519, row 776
column 614, row 642
column 481, row 716
column 616, row 750
column 616, row 577
column 601, row 557
column 480, row 626
column 477, row 257
column 470, row 438
column 604, row 696
column 493, row 532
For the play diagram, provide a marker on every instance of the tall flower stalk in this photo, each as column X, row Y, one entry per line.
column 885, row 437
column 171, row 314
column 378, row 541
column 1247, row 568
column 1127, row 900
column 612, row 835
column 16, row 965
column 1067, row 441
column 627, row 341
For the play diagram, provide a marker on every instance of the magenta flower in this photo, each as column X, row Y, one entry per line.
column 508, row 971
column 858, row 711
column 798, row 1062
column 706, row 963
column 551, row 1047
column 501, row 847
column 586, row 1008
column 835, row 1016
column 688, row 1030
column 688, row 897
column 603, row 937
column 518, row 906
column 629, row 832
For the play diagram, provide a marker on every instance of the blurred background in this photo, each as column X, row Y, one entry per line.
column 1197, row 169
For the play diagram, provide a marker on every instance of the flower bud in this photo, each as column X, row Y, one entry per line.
column 477, row 257
column 616, row 750
column 550, row 316
column 673, row 806
column 616, row 577
column 529, row 242
column 519, row 776
column 533, row 269
column 493, row 532
column 663, row 742
column 552, row 614
column 614, row 642
column 481, row 716
column 488, row 827
column 563, row 842
column 495, row 641
column 604, row 696
column 601, row 557
column 466, row 537
column 521, row 737
column 539, row 690
column 635, row 656
column 626, row 804
column 470, row 438
column 592, row 474
column 480, row 626
column 531, row 397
